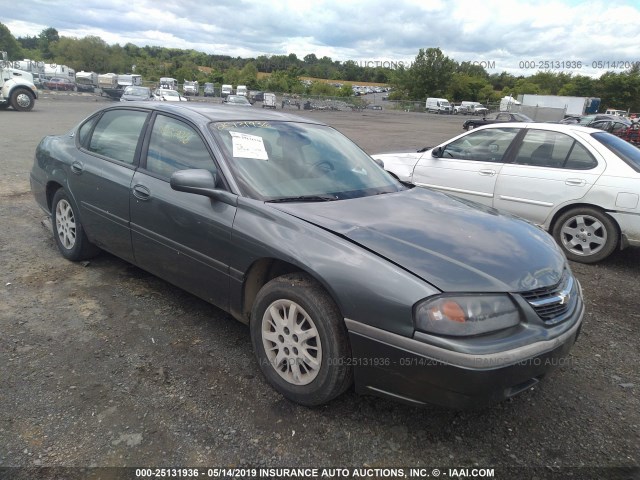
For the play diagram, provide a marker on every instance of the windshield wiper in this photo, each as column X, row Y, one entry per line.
column 305, row 198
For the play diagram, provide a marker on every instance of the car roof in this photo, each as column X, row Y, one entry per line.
column 555, row 127
column 199, row 111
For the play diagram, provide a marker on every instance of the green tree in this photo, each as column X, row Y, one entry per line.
column 46, row 39
column 323, row 89
column 466, row 87
column 620, row 90
column 579, row 86
column 249, row 75
column 550, row 83
column 9, row 44
column 346, row 90
column 430, row 74
column 276, row 82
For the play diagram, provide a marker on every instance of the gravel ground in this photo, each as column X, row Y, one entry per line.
column 104, row 365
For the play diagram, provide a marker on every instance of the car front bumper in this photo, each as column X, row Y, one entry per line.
column 411, row 371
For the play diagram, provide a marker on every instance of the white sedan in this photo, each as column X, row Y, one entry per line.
column 168, row 95
column 580, row 184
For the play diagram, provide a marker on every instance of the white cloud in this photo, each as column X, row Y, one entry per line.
column 504, row 32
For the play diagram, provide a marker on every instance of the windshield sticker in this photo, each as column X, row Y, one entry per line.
column 248, row 146
column 182, row 135
column 253, row 124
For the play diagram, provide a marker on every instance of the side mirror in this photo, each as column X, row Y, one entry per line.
column 379, row 162
column 437, row 152
column 200, row 182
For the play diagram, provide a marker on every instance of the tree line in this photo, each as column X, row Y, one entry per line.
column 431, row 74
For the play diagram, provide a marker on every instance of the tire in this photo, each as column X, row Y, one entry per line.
column 22, row 100
column 586, row 235
column 309, row 371
column 68, row 232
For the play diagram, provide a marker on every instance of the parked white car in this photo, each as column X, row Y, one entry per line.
column 580, row 184
column 168, row 95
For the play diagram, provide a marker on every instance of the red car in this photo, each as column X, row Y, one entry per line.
column 57, row 83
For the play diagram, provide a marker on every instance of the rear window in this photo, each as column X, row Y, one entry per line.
column 630, row 154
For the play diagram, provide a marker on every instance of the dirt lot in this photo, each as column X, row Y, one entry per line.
column 102, row 364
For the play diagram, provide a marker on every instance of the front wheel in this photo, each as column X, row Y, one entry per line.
column 22, row 100
column 300, row 340
column 586, row 235
column 68, row 231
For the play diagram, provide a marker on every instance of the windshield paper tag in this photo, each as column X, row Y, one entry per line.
column 248, row 146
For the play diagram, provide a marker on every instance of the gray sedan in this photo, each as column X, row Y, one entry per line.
column 345, row 275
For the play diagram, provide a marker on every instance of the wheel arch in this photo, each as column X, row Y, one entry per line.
column 51, row 189
column 566, row 208
column 259, row 274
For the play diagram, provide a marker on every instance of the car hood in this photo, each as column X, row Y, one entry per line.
column 454, row 244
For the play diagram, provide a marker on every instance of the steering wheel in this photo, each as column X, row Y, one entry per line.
column 322, row 166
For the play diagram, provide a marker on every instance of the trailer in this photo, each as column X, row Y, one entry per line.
column 86, row 81
column 571, row 105
column 54, row 70
column 168, row 83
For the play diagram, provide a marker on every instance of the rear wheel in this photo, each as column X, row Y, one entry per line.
column 586, row 235
column 22, row 100
column 68, row 231
column 300, row 340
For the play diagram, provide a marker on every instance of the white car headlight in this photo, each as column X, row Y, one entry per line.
column 465, row 315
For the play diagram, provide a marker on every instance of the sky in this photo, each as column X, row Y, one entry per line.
column 517, row 36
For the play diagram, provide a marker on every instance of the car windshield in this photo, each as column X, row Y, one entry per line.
column 623, row 149
column 136, row 91
column 169, row 93
column 288, row 161
column 521, row 117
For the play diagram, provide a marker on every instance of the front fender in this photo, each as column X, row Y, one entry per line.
column 400, row 164
column 367, row 288
column 11, row 85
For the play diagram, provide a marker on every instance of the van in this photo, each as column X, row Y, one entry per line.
column 269, row 100
column 473, row 108
column 241, row 90
column 438, row 105
column 612, row 111
column 226, row 90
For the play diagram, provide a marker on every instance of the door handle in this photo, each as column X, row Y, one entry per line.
column 141, row 192
column 575, row 182
column 488, row 172
column 77, row 168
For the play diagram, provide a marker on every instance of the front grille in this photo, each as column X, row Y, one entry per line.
column 552, row 303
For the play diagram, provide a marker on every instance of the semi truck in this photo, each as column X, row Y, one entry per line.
column 16, row 87
column 571, row 105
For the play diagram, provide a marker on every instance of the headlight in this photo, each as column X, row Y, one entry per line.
column 463, row 315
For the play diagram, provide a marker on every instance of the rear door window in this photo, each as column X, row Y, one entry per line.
column 117, row 134
column 543, row 148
